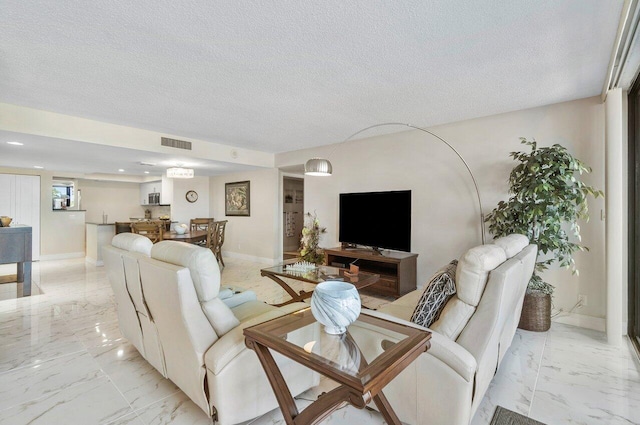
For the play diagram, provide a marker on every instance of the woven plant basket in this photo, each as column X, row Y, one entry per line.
column 536, row 312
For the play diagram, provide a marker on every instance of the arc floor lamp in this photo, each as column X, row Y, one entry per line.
column 322, row 166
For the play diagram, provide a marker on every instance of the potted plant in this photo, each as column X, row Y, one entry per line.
column 309, row 243
column 547, row 198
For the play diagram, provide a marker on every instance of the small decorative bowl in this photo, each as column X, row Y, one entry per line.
column 336, row 305
column 181, row 229
column 5, row 221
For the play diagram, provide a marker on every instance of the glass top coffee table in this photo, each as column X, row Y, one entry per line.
column 320, row 274
column 361, row 375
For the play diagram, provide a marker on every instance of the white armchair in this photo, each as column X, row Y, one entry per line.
column 201, row 336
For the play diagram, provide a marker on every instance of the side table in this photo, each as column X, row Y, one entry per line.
column 339, row 358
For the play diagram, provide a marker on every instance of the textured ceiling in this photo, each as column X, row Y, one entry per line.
column 282, row 75
column 70, row 156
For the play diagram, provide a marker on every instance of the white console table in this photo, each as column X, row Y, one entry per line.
column 15, row 247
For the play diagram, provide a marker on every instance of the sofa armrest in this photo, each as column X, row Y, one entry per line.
column 231, row 344
column 442, row 348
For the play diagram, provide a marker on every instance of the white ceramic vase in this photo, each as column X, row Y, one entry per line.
column 336, row 305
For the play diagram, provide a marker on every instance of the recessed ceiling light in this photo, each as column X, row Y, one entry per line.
column 121, row 170
column 146, row 172
column 39, row 167
column 15, row 143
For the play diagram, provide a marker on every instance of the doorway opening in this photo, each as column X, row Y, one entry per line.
column 292, row 216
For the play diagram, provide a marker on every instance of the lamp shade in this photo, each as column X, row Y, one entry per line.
column 180, row 173
column 318, row 167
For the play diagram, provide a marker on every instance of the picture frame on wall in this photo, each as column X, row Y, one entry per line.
column 237, row 199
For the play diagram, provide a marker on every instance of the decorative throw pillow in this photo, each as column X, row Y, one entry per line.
column 439, row 290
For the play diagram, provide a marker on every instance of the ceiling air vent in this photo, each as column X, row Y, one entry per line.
column 173, row 143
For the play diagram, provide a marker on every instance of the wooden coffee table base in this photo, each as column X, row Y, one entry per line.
column 295, row 296
column 326, row 404
column 314, row 277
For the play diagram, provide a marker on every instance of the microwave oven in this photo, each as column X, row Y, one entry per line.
column 154, row 198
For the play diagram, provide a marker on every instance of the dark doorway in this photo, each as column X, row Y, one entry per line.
column 634, row 215
column 293, row 218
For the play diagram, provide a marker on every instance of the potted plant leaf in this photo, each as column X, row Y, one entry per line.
column 546, row 200
column 310, row 242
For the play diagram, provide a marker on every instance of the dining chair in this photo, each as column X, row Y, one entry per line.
column 200, row 223
column 123, row 227
column 152, row 230
column 215, row 239
column 196, row 224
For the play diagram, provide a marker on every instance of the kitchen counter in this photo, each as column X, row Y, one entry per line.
column 100, row 224
column 97, row 236
column 149, row 219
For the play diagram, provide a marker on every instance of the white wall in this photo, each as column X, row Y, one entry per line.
column 616, row 235
column 183, row 210
column 119, row 200
column 255, row 237
column 445, row 213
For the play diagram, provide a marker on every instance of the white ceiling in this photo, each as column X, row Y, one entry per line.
column 282, row 75
column 94, row 161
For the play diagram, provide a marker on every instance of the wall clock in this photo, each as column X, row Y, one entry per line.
column 192, row 196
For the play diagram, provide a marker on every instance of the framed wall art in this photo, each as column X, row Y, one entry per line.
column 237, row 199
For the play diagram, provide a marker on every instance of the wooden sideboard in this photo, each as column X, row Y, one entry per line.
column 15, row 247
column 397, row 270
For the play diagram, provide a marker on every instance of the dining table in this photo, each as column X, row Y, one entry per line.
column 193, row 236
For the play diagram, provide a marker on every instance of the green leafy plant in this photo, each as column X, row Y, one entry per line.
column 546, row 201
column 309, row 243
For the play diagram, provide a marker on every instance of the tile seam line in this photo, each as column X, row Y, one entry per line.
column 123, row 397
column 156, row 401
column 44, row 361
column 535, row 385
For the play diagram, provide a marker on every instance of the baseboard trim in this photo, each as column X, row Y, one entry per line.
column 66, row 256
column 587, row 322
column 97, row 263
column 253, row 258
column 582, row 321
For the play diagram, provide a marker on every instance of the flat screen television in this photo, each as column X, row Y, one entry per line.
column 376, row 219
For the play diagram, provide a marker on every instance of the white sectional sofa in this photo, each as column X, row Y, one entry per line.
column 445, row 385
column 169, row 308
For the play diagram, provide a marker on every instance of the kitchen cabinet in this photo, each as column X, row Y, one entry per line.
column 164, row 187
column 166, row 191
column 20, row 200
column 146, row 189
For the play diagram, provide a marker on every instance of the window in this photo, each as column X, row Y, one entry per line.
column 63, row 194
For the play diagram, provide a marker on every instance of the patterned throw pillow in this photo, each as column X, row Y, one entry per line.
column 439, row 290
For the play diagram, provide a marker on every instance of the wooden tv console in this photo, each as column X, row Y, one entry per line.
column 397, row 270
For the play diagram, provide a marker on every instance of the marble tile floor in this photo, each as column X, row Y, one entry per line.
column 63, row 361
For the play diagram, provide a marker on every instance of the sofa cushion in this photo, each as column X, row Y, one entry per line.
column 403, row 307
column 473, row 271
column 219, row 315
column 438, row 291
column 200, row 262
column 205, row 276
column 454, row 317
column 133, row 243
column 512, row 244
